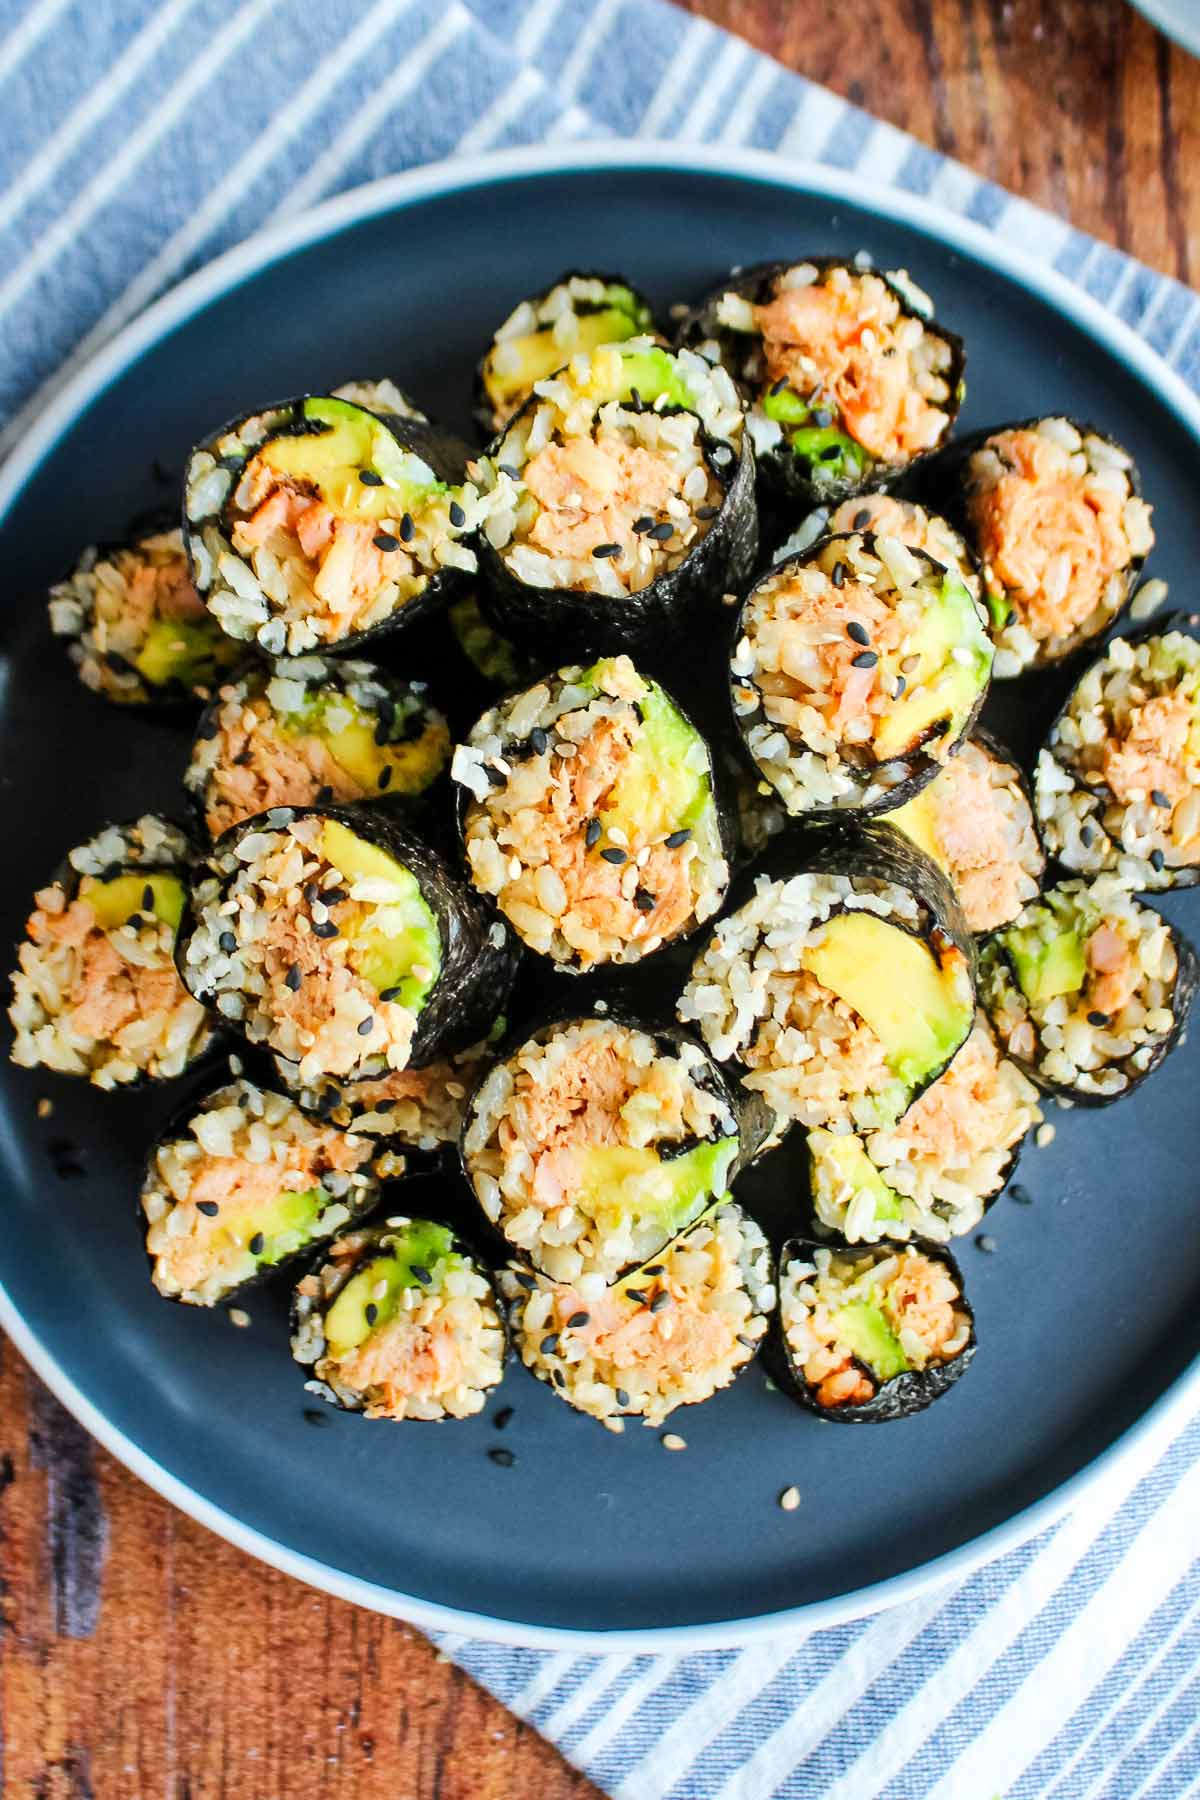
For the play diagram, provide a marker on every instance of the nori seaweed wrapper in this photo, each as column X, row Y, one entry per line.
column 784, row 472
column 479, row 952
column 902, row 1395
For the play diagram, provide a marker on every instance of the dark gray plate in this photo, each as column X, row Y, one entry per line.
column 1087, row 1312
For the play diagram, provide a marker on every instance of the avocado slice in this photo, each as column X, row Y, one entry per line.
column 944, row 688
column 615, row 1181
column 184, row 650
column 1046, row 965
column 115, row 901
column 917, row 820
column 863, row 1328
column 664, row 786
column 654, row 373
column 333, row 459
column 419, row 1245
column 354, row 746
column 844, row 1160
column 538, row 354
column 394, row 944
column 920, row 1011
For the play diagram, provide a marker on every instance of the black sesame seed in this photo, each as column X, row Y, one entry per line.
column 1086, row 836
column 662, row 531
column 643, row 524
column 613, row 550
column 497, row 777
column 207, row 728
column 838, row 574
column 748, row 1342
column 209, row 1208
column 327, row 930
column 509, row 469
column 636, row 403
column 858, row 632
column 525, row 1281
column 383, row 540
column 578, row 1320
column 257, row 1244
column 1157, row 859
column 324, row 796
column 407, row 529
column 779, row 387
column 558, row 1378
column 503, row 1418
column 1020, row 1194
column 901, row 684
column 334, row 895
column 654, row 1268
column 293, row 978
column 381, row 732
column 549, row 1344
column 227, row 942
column 538, row 741
column 385, row 775
column 678, row 837
column 822, row 419
column 831, row 453
column 622, row 1397
column 421, row 1274
column 644, row 900
column 314, row 1417
column 148, row 898
column 458, row 517
column 1098, row 1019
column 861, row 519
column 503, row 1459
column 866, row 659
column 591, row 836
column 369, row 478
column 660, row 1302
column 636, row 1295
column 1011, row 617
column 986, row 1243
column 614, row 854
column 311, row 892
column 366, row 1026
column 392, row 993
column 707, row 512
column 1158, row 797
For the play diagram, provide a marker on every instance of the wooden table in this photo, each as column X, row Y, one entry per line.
column 143, row 1656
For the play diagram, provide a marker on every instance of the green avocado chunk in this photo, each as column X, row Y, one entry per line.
column 394, row 945
column 617, row 1182
column 956, row 662
column 352, row 444
column 1046, row 966
column 539, row 354
column 844, row 1160
column 664, row 786
column 867, row 1335
column 421, row 1244
column 656, row 375
column 184, row 650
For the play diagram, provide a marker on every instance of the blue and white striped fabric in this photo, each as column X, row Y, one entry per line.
column 142, row 137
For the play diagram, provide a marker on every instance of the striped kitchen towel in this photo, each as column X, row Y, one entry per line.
column 142, row 137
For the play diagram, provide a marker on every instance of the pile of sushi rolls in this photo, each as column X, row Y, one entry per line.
column 669, row 1334
column 241, row 1183
column 859, row 667
column 420, row 1108
column 579, row 313
column 590, row 816
column 400, row 1321
column 336, row 939
column 893, row 516
column 620, row 502
column 1118, row 783
column 842, row 984
column 1053, row 512
column 96, row 992
column 136, row 630
column 934, row 1174
column 318, row 523
column 1089, row 990
column 977, row 823
column 848, row 378
column 874, row 1334
column 597, row 1139
column 313, row 729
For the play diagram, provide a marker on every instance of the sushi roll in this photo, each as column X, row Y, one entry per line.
column 96, row 992
column 578, row 313
column 1054, row 514
column 935, row 1173
column 596, row 1140
column 1118, row 783
column 849, row 380
column 841, row 985
column 400, row 1321
column 670, row 1334
column 620, row 503
column 976, row 822
column 420, row 1108
column 334, row 938
column 314, row 729
column 241, row 1184
column 590, row 818
column 859, row 667
column 889, row 515
column 318, row 523
column 1089, row 990
column 872, row 1335
column 135, row 628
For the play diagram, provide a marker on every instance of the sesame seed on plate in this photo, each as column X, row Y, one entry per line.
column 789, row 1500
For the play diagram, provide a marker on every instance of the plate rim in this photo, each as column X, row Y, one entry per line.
column 219, row 277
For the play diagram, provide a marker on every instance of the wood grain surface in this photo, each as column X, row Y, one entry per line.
column 142, row 1656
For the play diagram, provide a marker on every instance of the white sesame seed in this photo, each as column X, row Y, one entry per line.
column 1044, row 1135
column 790, row 1499
column 671, row 1440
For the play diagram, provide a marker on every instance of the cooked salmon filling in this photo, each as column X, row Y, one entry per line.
column 976, row 822
column 669, row 1335
column 247, row 1184
column 917, row 1315
column 96, row 992
column 399, row 1324
column 595, row 1143
column 1058, row 528
column 314, row 730
column 593, row 823
column 1118, row 785
column 1081, row 990
column 543, row 333
column 888, row 516
column 420, row 1107
column 594, row 491
column 838, row 353
column 327, row 967
column 850, row 663
column 932, row 1174
column 135, row 625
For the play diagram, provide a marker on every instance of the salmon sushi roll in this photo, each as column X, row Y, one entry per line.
column 575, row 315
column 96, row 992
column 400, row 1321
column 1118, row 783
column 670, row 1334
column 620, row 503
column 848, row 379
column 317, row 523
column 335, row 939
column 842, row 982
column 977, row 823
column 893, row 516
column 136, row 630
column 243, row 1183
column 1053, row 512
column 859, row 668
column 423, row 1109
column 590, row 817
column 1089, row 990
column 872, row 1335
column 934, row 1174
column 596, row 1140
column 314, row 730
